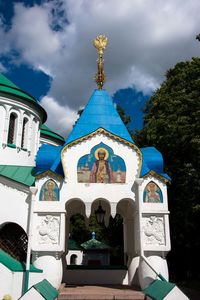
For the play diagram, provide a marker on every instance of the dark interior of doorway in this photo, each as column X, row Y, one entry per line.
column 111, row 235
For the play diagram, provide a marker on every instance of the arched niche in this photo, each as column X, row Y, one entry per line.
column 73, row 259
column 101, row 165
column 152, row 193
column 49, row 191
column 14, row 240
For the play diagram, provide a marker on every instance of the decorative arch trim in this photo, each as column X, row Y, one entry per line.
column 158, row 176
column 106, row 133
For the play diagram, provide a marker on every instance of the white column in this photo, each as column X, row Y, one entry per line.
column 30, row 235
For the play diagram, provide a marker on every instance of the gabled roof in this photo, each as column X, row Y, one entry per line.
column 159, row 289
column 8, row 88
column 94, row 244
column 100, row 112
column 46, row 290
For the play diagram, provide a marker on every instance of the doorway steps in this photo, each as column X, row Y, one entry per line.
column 95, row 292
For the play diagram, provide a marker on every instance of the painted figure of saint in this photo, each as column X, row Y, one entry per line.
column 48, row 193
column 152, row 195
column 101, row 171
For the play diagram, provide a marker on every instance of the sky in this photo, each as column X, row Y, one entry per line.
column 46, row 49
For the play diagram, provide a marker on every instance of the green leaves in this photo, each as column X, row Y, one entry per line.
column 172, row 125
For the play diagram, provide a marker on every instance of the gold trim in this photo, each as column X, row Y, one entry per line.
column 107, row 133
column 101, row 149
column 100, row 44
column 156, row 175
column 49, row 173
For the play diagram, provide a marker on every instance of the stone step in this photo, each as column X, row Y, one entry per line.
column 92, row 292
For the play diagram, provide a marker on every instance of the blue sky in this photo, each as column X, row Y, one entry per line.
column 47, row 50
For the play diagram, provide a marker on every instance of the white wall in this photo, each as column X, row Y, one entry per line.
column 79, row 255
column 5, row 280
column 14, row 203
column 18, row 156
column 12, row 282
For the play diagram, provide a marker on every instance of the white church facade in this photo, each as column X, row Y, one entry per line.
column 44, row 180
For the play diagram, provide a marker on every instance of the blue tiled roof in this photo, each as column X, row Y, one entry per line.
column 152, row 160
column 100, row 112
column 46, row 157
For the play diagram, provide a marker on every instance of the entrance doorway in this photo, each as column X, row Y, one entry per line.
column 108, row 241
column 103, row 251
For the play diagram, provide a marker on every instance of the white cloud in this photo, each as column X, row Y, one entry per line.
column 60, row 118
column 33, row 37
column 145, row 39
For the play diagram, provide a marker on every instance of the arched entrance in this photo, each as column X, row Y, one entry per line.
column 14, row 240
column 93, row 242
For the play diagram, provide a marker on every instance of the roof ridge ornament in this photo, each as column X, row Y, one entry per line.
column 100, row 44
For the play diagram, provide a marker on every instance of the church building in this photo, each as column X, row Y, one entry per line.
column 45, row 180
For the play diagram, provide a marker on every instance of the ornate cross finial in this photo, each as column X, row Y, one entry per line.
column 100, row 44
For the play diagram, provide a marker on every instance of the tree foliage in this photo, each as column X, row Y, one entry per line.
column 172, row 125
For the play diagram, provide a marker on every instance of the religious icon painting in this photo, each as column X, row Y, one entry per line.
column 152, row 193
column 101, row 165
column 49, row 191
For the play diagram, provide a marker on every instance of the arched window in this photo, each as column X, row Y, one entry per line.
column 12, row 130
column 24, row 140
column 14, row 240
column 73, row 259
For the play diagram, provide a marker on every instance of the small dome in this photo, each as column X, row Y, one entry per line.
column 46, row 156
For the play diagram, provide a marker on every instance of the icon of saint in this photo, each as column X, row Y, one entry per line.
column 152, row 194
column 101, row 171
column 49, row 194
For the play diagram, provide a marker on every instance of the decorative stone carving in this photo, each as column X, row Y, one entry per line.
column 154, row 231
column 48, row 230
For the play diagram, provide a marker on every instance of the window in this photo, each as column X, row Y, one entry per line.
column 24, row 140
column 12, row 130
column 14, row 241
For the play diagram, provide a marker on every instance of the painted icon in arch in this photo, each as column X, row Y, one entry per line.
column 49, row 191
column 152, row 193
column 101, row 165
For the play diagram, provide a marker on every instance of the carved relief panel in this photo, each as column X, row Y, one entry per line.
column 153, row 228
column 48, row 229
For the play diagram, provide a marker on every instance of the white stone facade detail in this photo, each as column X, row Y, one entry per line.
column 48, row 230
column 153, row 231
